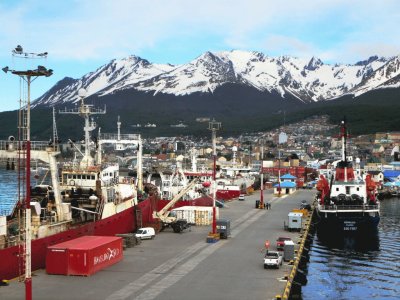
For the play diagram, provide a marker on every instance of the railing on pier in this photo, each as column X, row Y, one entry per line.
column 335, row 208
column 302, row 247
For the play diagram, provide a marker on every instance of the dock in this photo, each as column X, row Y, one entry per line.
column 185, row 266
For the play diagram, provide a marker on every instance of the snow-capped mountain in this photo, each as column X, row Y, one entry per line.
column 309, row 80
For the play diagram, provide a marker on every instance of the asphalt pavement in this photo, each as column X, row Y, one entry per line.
column 183, row 266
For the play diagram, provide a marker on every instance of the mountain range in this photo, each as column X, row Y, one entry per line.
column 246, row 91
column 306, row 80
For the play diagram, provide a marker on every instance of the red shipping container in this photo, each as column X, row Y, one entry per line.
column 85, row 255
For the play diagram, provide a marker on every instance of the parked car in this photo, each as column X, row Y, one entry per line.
column 280, row 242
column 241, row 197
column 146, row 233
column 305, row 205
column 272, row 259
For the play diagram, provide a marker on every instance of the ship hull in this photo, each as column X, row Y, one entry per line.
column 347, row 223
column 122, row 222
column 227, row 194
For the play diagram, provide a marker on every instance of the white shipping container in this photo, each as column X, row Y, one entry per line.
column 187, row 214
column 198, row 215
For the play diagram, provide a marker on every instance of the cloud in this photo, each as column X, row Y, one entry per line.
column 283, row 45
column 87, row 29
column 102, row 29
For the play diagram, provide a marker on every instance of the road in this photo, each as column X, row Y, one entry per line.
column 184, row 266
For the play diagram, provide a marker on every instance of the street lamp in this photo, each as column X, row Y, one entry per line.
column 279, row 173
column 262, row 175
column 214, row 127
column 24, row 125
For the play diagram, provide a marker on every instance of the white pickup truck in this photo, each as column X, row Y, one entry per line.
column 272, row 259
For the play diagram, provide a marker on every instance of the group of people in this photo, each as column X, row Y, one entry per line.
column 267, row 205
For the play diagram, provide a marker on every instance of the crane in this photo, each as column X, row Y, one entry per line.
column 164, row 214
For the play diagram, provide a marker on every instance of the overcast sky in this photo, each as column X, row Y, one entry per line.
column 82, row 35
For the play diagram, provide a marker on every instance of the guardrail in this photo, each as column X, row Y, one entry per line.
column 292, row 275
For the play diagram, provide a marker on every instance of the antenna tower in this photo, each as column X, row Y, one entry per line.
column 24, row 157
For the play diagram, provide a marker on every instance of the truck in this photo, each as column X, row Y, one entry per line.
column 169, row 219
column 272, row 259
column 295, row 221
column 280, row 242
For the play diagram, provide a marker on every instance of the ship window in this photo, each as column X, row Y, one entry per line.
column 347, row 190
column 358, row 189
column 337, row 189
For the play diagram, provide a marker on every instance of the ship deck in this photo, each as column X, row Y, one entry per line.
column 184, row 266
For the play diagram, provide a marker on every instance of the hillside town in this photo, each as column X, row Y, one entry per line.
column 300, row 149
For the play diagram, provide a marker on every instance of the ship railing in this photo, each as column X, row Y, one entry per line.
column 73, row 167
column 116, row 137
column 20, row 145
column 110, row 181
column 349, row 207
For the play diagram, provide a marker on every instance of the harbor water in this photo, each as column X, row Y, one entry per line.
column 9, row 186
column 358, row 267
column 8, row 190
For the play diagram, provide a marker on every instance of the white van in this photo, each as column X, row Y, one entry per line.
column 146, row 233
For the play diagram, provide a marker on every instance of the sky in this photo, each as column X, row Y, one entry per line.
column 82, row 35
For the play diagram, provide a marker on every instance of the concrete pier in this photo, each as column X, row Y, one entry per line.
column 184, row 266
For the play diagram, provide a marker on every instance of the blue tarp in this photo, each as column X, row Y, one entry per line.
column 391, row 173
column 286, row 184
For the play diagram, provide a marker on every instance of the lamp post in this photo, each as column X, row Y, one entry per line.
column 262, row 176
column 279, row 173
column 24, row 127
column 214, row 126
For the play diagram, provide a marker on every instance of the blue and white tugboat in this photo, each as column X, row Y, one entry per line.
column 347, row 203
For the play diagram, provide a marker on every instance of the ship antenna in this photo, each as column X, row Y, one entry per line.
column 85, row 111
column 343, row 136
column 55, row 134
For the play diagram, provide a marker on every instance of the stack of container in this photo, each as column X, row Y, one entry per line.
column 196, row 215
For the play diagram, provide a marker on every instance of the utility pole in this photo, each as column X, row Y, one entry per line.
column 214, row 127
column 262, row 176
column 24, row 129
column 279, row 174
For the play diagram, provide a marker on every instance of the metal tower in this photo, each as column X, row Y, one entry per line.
column 24, row 144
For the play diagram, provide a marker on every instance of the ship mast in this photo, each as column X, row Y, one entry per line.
column 343, row 136
column 214, row 127
column 86, row 111
column 24, row 128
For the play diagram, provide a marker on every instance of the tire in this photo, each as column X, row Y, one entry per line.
column 177, row 229
column 265, row 266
